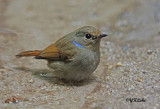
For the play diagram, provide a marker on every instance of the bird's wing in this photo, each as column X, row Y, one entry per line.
column 56, row 53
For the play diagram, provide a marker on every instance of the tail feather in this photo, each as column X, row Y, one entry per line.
column 28, row 53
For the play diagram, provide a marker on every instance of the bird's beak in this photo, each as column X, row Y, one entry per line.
column 102, row 35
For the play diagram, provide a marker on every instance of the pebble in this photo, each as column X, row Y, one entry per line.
column 31, row 81
column 11, row 100
column 144, row 72
column 110, row 67
column 3, row 70
column 157, row 105
column 149, row 51
column 118, row 83
column 118, row 64
column 139, row 80
column 88, row 97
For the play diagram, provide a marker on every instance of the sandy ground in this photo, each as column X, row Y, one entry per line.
column 130, row 56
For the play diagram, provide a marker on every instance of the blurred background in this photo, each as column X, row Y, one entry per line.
column 34, row 24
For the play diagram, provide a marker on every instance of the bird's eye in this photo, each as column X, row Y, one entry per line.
column 88, row 36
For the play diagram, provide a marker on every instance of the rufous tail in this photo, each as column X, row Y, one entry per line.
column 28, row 53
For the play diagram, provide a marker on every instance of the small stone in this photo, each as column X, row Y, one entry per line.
column 93, row 104
column 157, row 105
column 118, row 83
column 110, row 67
column 31, row 81
column 11, row 100
column 149, row 51
column 61, row 83
column 57, row 102
column 157, row 95
column 139, row 80
column 106, row 64
column 144, row 72
column 88, row 97
column 108, row 93
column 104, row 57
column 3, row 70
column 118, row 64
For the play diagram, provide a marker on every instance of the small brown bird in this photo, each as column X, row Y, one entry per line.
column 74, row 56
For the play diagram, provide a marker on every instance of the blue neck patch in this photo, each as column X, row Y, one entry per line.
column 78, row 45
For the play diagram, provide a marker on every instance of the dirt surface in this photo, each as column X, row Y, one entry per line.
column 130, row 55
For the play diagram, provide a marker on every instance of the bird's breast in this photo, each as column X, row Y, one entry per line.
column 87, row 60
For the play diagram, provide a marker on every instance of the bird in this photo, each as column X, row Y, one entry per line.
column 75, row 56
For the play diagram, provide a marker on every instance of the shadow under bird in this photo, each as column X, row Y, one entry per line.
column 74, row 56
